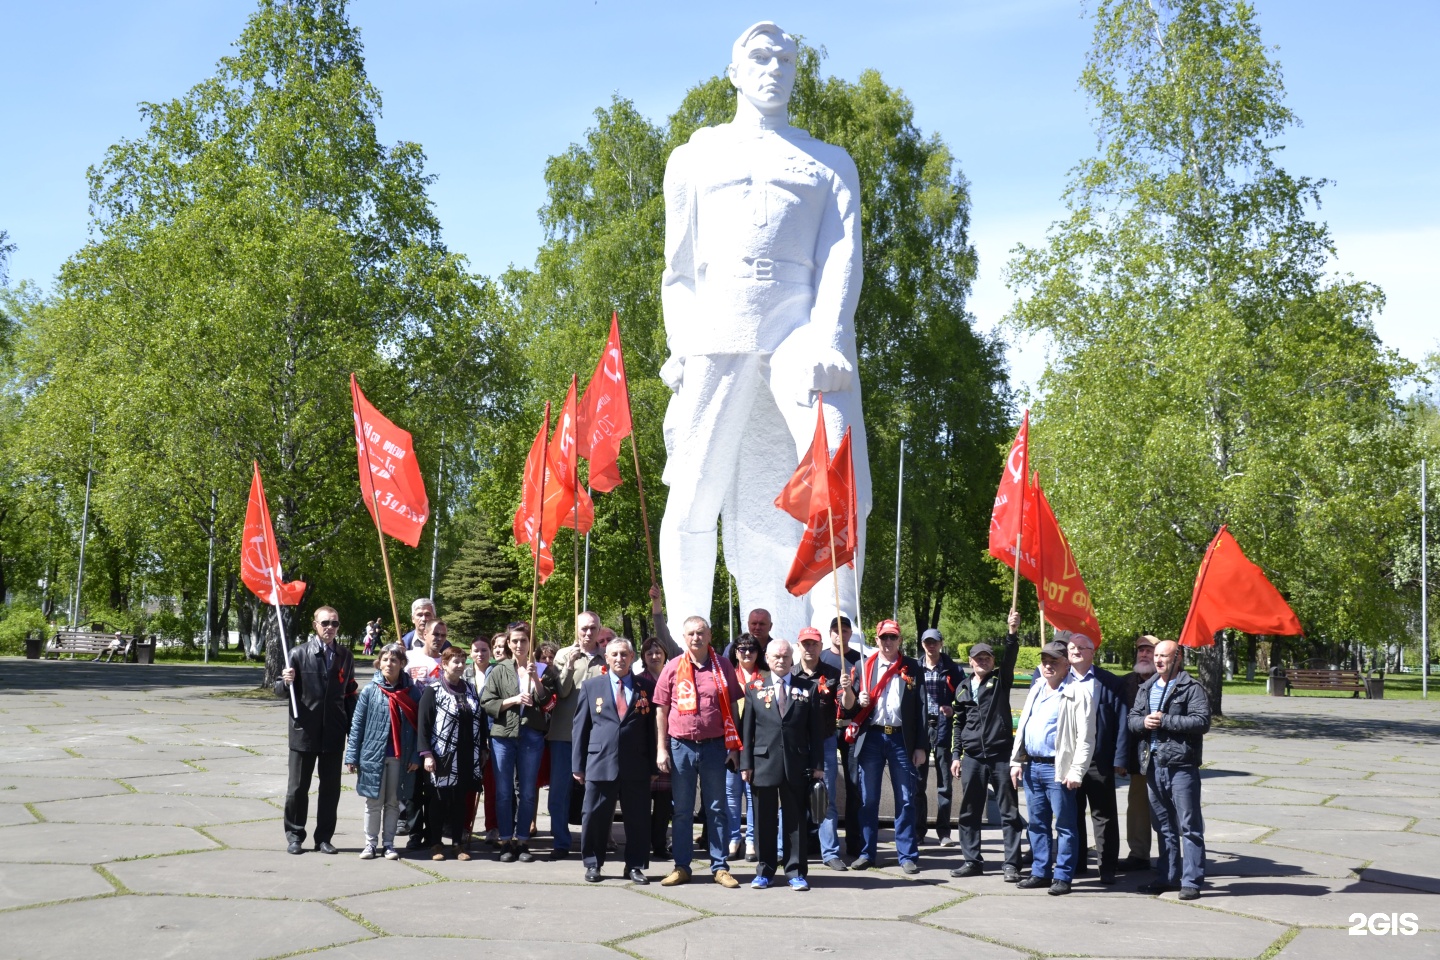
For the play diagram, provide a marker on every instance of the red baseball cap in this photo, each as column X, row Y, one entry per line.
column 886, row 628
column 809, row 633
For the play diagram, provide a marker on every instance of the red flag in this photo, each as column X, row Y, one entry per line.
column 842, row 491
column 604, row 415
column 808, row 487
column 259, row 557
column 1230, row 591
column 561, row 492
column 527, row 526
column 388, row 470
column 1010, row 502
column 1063, row 597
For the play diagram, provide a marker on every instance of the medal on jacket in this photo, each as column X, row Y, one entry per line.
column 599, row 704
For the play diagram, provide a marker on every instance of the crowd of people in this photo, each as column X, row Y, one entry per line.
column 451, row 745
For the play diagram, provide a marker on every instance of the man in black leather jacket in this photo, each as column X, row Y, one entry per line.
column 1170, row 716
column 323, row 674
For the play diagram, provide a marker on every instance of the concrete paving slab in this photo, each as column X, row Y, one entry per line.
column 455, row 948
column 141, row 928
column 276, row 762
column 195, row 753
column 1317, row 902
column 832, row 894
column 23, row 753
column 83, row 843
column 1417, row 778
column 256, row 786
column 1115, row 926
column 1360, row 845
column 714, row 939
column 1398, row 806
column 1226, row 831
column 1263, row 860
column 264, row 834
column 1430, row 826
column 1341, row 945
column 1303, row 817
column 108, row 769
column 1357, row 788
column 159, row 808
column 12, row 814
column 41, row 789
column 1223, row 793
column 546, row 911
column 24, row 884
column 271, row 874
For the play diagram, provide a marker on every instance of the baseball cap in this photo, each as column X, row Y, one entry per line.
column 1055, row 649
column 931, row 634
column 886, row 628
column 1146, row 640
column 809, row 633
column 979, row 648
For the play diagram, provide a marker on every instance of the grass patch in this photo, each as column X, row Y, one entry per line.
column 257, row 693
column 40, row 817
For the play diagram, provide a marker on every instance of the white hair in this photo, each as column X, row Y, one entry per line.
column 775, row 644
column 420, row 603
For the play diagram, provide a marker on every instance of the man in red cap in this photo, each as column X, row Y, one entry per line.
column 885, row 703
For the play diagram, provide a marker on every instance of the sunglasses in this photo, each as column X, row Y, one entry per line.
column 329, row 623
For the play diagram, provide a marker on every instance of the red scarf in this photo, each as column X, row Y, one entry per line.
column 852, row 730
column 687, row 700
column 401, row 702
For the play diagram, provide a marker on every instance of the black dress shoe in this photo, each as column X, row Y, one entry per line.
column 861, row 863
column 637, row 876
column 559, row 854
column 507, row 853
column 836, row 864
column 1012, row 874
column 967, row 870
column 1189, row 893
column 295, row 847
column 1030, row 883
column 1059, row 888
column 524, row 855
column 325, row 846
column 1154, row 888
column 592, row 874
column 1108, row 879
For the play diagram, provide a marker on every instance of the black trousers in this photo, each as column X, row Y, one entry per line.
column 297, row 794
column 598, row 813
column 975, row 777
column 449, row 811
column 662, row 810
column 793, row 805
column 1097, row 791
column 422, row 815
column 938, row 754
column 851, row 813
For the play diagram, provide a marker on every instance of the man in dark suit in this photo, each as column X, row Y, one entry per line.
column 1112, row 744
column 323, row 674
column 783, row 730
column 884, row 700
column 613, row 755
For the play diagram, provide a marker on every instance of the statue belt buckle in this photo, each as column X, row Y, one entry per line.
column 764, row 268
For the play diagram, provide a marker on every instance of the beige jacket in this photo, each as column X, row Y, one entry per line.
column 1074, row 732
column 572, row 669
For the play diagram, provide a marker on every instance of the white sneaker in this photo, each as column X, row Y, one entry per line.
column 391, row 853
column 368, row 853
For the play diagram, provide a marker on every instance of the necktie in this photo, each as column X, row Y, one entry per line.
column 780, row 696
column 620, row 700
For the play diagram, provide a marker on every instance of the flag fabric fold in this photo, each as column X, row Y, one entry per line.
column 394, row 491
column 604, row 415
column 1010, row 503
column 561, row 492
column 1063, row 597
column 527, row 526
column 1232, row 592
column 821, row 490
column 260, row 557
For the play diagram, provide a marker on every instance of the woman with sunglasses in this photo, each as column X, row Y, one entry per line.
column 518, row 698
column 749, row 662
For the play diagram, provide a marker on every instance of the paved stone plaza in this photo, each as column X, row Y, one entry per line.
column 140, row 817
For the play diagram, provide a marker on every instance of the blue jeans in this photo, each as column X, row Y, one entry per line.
column 881, row 748
column 517, row 758
column 560, row 783
column 829, row 834
column 704, row 761
column 736, row 791
column 1175, row 811
column 1045, row 799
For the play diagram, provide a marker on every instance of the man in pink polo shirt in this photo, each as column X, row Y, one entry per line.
column 697, row 737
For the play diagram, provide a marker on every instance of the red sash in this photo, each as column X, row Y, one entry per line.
column 852, row 729
column 687, row 699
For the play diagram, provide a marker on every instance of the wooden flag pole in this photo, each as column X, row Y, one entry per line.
column 385, row 559
column 644, row 519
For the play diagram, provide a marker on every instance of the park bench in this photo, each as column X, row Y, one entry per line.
column 90, row 643
column 1333, row 680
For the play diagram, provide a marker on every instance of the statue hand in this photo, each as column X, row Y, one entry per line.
column 672, row 372
column 807, row 365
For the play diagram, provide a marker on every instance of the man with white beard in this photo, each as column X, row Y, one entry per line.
column 1137, row 811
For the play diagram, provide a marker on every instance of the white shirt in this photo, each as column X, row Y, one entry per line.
column 887, row 706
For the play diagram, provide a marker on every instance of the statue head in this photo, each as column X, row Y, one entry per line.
column 762, row 68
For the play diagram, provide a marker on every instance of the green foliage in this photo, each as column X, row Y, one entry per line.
column 253, row 246
column 926, row 374
column 480, row 591
column 1207, row 369
column 18, row 621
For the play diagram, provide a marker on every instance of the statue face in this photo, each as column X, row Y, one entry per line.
column 765, row 75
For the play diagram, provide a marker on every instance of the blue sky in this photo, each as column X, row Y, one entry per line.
column 490, row 90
